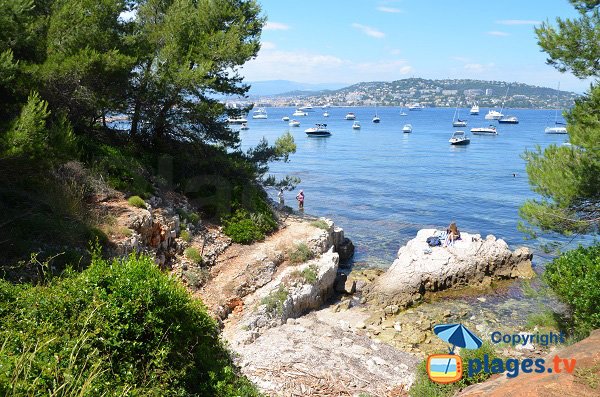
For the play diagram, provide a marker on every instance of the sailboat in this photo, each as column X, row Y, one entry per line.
column 558, row 128
column 456, row 121
column 376, row 118
column 402, row 112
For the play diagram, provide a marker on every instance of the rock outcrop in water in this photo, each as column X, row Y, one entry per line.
column 469, row 261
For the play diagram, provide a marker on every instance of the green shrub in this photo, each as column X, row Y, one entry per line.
column 310, row 274
column 244, row 227
column 545, row 319
column 136, row 201
column 320, row 223
column 300, row 253
column 193, row 254
column 117, row 328
column 274, row 301
column 575, row 277
column 188, row 217
column 424, row 387
column 185, row 236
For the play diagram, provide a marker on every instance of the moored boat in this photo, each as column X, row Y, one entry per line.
column 244, row 126
column 489, row 130
column 285, row 118
column 299, row 112
column 459, row 138
column 475, row 109
column 350, row 116
column 239, row 120
column 259, row 113
column 407, row 128
column 294, row 123
column 508, row 120
column 493, row 115
column 416, row 106
column 356, row 125
column 318, row 130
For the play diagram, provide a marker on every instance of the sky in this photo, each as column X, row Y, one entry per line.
column 350, row 41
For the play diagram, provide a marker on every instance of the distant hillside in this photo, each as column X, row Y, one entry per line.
column 439, row 93
column 275, row 87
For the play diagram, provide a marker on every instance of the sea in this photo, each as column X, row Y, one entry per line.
column 382, row 185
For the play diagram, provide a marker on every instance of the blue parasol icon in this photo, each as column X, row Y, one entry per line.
column 457, row 335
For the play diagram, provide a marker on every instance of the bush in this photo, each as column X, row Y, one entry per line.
column 310, row 274
column 185, row 236
column 117, row 328
column 136, row 201
column 300, row 253
column 244, row 227
column 575, row 277
column 424, row 387
column 193, row 254
column 320, row 223
column 274, row 301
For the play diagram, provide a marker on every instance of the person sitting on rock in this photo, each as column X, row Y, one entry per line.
column 452, row 234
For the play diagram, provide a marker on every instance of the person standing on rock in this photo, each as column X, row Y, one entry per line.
column 300, row 198
column 281, row 198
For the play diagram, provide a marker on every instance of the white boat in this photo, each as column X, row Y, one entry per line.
column 456, row 121
column 376, row 119
column 318, row 130
column 244, row 126
column 356, row 125
column 350, row 116
column 493, row 115
column 259, row 113
column 475, row 109
column 558, row 128
column 416, row 106
column 239, row 120
column 299, row 112
column 285, row 118
column 307, row 108
column 508, row 120
column 294, row 123
column 459, row 138
column 326, row 114
column 489, row 130
column 402, row 112
column 407, row 128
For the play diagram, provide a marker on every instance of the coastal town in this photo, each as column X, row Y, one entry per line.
column 429, row 93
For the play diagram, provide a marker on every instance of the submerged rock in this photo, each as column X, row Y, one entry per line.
column 469, row 261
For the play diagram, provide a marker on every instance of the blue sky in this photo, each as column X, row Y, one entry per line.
column 348, row 41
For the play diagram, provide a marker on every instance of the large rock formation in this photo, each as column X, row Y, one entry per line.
column 468, row 261
column 583, row 381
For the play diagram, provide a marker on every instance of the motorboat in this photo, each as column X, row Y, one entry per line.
column 259, row 113
column 475, row 109
column 489, row 130
column 285, row 118
column 299, row 112
column 493, row 115
column 416, row 106
column 325, row 114
column 558, row 128
column 294, row 123
column 307, row 108
column 508, row 120
column 376, row 119
column 407, row 128
column 239, row 120
column 244, row 126
column 459, row 138
column 356, row 125
column 318, row 130
column 350, row 116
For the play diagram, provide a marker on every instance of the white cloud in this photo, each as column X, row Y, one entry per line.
column 518, row 22
column 267, row 45
column 271, row 64
column 369, row 31
column 497, row 33
column 478, row 68
column 276, row 26
column 389, row 9
column 460, row 59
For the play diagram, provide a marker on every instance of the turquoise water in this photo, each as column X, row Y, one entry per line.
column 382, row 185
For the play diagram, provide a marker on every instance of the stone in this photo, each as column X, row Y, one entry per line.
column 391, row 310
column 469, row 261
column 350, row 286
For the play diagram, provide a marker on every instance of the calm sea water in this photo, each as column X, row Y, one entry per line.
column 382, row 185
